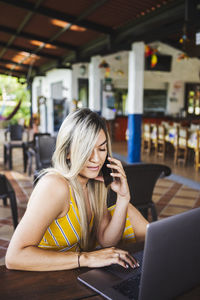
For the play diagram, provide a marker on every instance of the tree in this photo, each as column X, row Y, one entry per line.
column 12, row 90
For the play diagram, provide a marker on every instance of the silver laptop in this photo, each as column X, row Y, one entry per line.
column 170, row 264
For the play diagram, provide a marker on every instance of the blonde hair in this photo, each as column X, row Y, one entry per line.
column 76, row 138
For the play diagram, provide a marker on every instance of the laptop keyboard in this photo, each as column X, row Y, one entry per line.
column 129, row 287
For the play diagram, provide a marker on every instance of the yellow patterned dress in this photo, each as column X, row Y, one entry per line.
column 64, row 233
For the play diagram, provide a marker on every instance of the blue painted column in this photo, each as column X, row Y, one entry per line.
column 95, row 84
column 135, row 101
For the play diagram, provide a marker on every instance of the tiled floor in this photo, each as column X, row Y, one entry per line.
column 171, row 197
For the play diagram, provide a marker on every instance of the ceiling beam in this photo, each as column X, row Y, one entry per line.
column 153, row 21
column 18, row 48
column 151, row 27
column 30, row 36
column 8, row 61
column 52, row 13
column 12, row 71
column 139, row 29
column 20, row 27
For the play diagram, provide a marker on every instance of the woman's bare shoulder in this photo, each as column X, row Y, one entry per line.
column 52, row 186
column 54, row 181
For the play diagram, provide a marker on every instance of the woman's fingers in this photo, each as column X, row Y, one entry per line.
column 117, row 175
column 125, row 259
column 116, row 165
column 108, row 256
column 115, row 161
column 118, row 169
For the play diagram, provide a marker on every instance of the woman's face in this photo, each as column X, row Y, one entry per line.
column 97, row 158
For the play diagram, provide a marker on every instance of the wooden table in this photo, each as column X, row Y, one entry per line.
column 50, row 285
column 58, row 285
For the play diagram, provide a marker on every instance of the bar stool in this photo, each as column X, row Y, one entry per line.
column 7, row 191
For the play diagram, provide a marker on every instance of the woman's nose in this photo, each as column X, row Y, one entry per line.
column 95, row 156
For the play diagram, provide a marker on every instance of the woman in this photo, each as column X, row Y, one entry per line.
column 67, row 217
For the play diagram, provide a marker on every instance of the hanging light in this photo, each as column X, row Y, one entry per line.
column 82, row 70
column 119, row 71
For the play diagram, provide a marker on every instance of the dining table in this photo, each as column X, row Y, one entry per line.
column 57, row 285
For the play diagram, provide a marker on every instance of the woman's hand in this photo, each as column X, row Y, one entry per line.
column 120, row 184
column 106, row 257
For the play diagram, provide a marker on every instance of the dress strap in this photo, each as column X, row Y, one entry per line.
column 72, row 200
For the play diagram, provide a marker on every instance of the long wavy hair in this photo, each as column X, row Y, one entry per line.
column 75, row 142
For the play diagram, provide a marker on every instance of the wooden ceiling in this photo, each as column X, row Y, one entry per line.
column 38, row 35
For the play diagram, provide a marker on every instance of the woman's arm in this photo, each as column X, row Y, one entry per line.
column 111, row 229
column 50, row 200
column 138, row 222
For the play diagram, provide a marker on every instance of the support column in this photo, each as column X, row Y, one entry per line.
column 74, row 83
column 95, row 84
column 135, row 101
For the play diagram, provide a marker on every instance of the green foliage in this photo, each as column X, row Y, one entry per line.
column 11, row 91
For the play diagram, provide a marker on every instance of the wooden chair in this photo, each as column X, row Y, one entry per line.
column 154, row 144
column 197, row 151
column 146, row 137
column 181, row 145
column 161, row 141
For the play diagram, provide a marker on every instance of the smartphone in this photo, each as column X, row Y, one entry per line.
column 108, row 179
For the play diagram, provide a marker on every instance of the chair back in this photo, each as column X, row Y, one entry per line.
column 16, row 132
column 7, row 191
column 197, row 151
column 3, row 186
column 39, row 134
column 198, row 140
column 146, row 130
column 181, row 137
column 141, row 179
column 44, row 146
column 161, row 132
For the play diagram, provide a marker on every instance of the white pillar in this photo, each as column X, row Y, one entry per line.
column 74, row 82
column 136, row 79
column 95, row 84
column 135, row 100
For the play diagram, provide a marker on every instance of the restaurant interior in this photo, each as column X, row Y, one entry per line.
column 47, row 36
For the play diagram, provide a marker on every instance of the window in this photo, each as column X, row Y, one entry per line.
column 154, row 102
column 192, row 99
